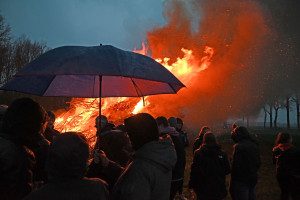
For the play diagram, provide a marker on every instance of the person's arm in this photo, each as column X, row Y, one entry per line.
column 195, row 170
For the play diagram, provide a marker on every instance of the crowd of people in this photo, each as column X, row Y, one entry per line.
column 145, row 158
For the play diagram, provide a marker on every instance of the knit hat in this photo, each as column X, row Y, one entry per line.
column 141, row 128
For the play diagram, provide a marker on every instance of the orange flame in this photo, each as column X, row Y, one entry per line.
column 81, row 114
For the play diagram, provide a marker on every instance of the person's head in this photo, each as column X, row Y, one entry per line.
column 162, row 123
column 141, row 129
column 172, row 122
column 67, row 157
column 51, row 119
column 103, row 122
column 179, row 124
column 283, row 138
column 203, row 130
column 209, row 138
column 25, row 120
column 239, row 133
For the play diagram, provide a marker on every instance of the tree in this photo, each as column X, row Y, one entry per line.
column 269, row 111
column 296, row 99
column 276, row 108
column 4, row 46
column 286, row 105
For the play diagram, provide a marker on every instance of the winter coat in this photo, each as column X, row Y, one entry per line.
column 71, row 189
column 148, row 176
column 16, row 164
column 246, row 162
column 178, row 170
column 110, row 173
column 287, row 160
column 184, row 138
column 208, row 170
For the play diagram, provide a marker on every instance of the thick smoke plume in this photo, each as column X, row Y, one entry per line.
column 244, row 73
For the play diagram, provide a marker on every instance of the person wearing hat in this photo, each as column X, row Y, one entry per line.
column 245, row 164
column 149, row 174
column 208, row 170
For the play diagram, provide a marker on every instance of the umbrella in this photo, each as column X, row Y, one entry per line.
column 92, row 72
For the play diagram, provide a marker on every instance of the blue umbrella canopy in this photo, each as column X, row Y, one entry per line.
column 91, row 72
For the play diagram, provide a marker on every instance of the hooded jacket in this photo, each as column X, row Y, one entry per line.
column 208, row 170
column 66, row 166
column 246, row 161
column 178, row 171
column 148, row 176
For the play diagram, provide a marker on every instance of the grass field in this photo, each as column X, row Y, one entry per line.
column 267, row 187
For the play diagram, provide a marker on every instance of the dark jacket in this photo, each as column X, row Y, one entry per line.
column 148, row 176
column 110, row 173
column 184, row 137
column 16, row 164
column 246, row 162
column 76, row 189
column 208, row 170
column 178, row 171
column 287, row 160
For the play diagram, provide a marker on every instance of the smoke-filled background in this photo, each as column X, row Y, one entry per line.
column 243, row 54
column 255, row 60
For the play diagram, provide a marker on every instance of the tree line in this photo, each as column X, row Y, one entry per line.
column 15, row 54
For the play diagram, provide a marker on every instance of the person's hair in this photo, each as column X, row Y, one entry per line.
column 209, row 138
column 23, row 120
column 283, row 137
column 203, row 130
column 239, row 133
column 141, row 129
column 162, row 121
column 67, row 156
column 51, row 115
column 179, row 121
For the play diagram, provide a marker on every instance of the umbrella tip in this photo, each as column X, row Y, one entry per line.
column 100, row 44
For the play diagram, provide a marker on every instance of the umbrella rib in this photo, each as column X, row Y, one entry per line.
column 137, row 88
column 172, row 88
column 49, row 85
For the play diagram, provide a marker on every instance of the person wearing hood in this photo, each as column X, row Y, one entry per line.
column 245, row 164
column 66, row 166
column 23, row 124
column 287, row 159
column 50, row 132
column 178, row 170
column 148, row 176
column 208, row 170
column 198, row 142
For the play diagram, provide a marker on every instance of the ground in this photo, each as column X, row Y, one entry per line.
column 267, row 187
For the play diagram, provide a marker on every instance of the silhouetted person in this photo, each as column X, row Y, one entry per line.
column 182, row 133
column 245, row 164
column 148, row 176
column 198, row 142
column 287, row 159
column 23, row 124
column 50, row 132
column 178, row 170
column 66, row 167
column 208, row 170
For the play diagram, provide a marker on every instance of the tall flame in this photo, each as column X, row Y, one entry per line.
column 81, row 114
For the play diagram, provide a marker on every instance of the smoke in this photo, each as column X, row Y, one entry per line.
column 244, row 72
